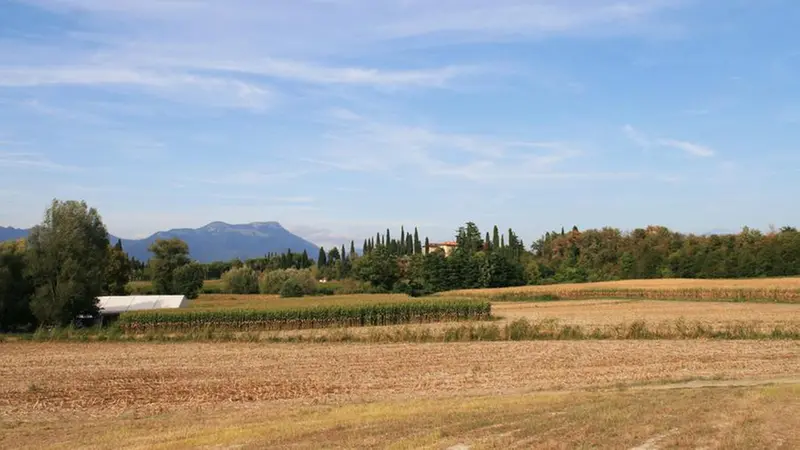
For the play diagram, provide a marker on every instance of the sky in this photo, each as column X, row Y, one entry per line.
column 339, row 118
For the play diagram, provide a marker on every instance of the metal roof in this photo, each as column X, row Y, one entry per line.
column 120, row 304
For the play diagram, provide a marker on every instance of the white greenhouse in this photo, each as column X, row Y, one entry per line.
column 114, row 305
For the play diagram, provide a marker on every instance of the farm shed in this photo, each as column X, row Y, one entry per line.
column 112, row 306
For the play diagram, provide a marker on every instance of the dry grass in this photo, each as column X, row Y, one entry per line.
column 258, row 301
column 487, row 395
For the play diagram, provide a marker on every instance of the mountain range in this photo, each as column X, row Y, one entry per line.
column 217, row 241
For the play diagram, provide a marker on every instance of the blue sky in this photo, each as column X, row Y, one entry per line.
column 342, row 117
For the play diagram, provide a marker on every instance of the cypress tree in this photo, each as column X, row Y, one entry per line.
column 322, row 258
column 496, row 238
column 388, row 240
column 402, row 240
column 365, row 248
column 352, row 248
column 502, row 242
column 417, row 243
column 487, row 243
column 344, row 255
column 378, row 240
column 427, row 246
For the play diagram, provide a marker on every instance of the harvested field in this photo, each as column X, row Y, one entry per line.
column 519, row 395
column 747, row 418
column 113, row 377
column 611, row 312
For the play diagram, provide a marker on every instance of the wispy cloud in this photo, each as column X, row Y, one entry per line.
column 166, row 45
column 184, row 87
column 35, row 161
column 690, row 148
column 636, row 136
column 356, row 143
column 251, row 177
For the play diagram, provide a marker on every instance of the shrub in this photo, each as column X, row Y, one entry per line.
column 291, row 288
column 240, row 280
column 272, row 282
column 324, row 290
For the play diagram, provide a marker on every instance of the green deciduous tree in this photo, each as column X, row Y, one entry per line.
column 170, row 256
column 380, row 268
column 67, row 259
column 188, row 280
column 15, row 288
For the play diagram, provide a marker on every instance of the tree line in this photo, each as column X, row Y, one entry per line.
column 67, row 261
column 607, row 254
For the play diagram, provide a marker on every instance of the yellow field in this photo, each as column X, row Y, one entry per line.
column 483, row 395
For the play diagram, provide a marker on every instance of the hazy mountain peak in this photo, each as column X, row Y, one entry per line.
column 217, row 241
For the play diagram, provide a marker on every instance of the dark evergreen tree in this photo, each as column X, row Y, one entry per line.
column 496, row 238
column 322, row 258
column 417, row 243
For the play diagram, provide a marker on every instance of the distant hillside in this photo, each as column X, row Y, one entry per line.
column 11, row 234
column 217, row 241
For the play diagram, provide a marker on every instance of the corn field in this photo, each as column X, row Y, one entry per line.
column 309, row 318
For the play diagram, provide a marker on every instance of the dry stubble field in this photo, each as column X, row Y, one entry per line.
column 486, row 395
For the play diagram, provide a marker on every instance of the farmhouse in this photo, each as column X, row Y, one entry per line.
column 447, row 247
column 112, row 306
